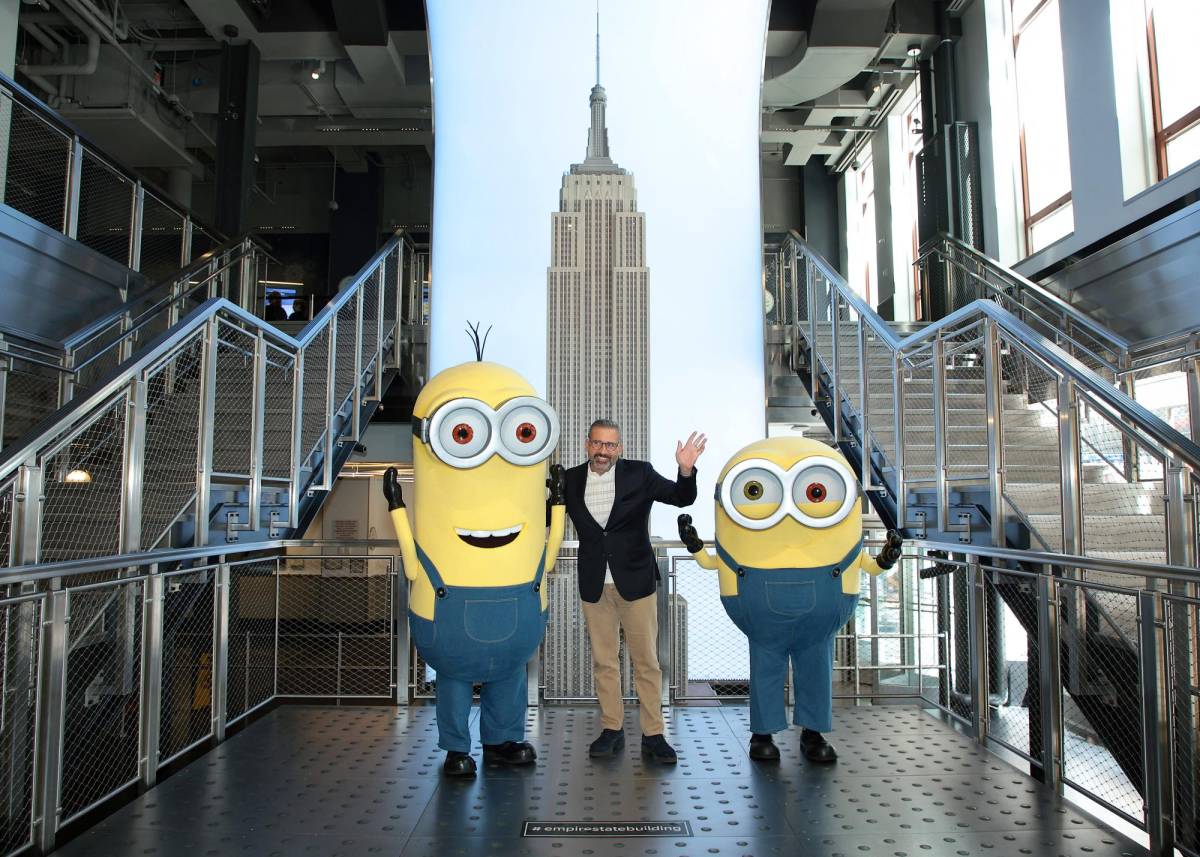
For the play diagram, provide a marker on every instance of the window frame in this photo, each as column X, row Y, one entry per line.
column 1161, row 136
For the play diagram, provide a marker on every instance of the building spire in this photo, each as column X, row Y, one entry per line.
column 597, row 150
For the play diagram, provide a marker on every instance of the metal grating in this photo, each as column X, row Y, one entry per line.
column 316, row 357
column 162, row 239
column 30, row 395
column 711, row 657
column 101, row 725
column 234, row 401
column 83, row 519
column 172, row 435
column 188, row 659
column 335, row 627
column 105, row 209
column 18, row 719
column 277, row 420
column 252, row 602
column 36, row 167
column 346, row 345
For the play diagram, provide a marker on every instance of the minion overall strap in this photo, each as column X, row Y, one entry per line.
column 439, row 586
column 733, row 565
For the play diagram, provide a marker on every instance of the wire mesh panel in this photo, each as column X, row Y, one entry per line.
column 335, row 621
column 943, row 636
column 103, row 694
column 567, row 649
column 162, row 239
column 965, row 394
column 388, row 284
column 277, row 418
column 917, row 390
column 105, row 209
column 185, row 712
column 346, row 345
column 1183, row 700
column 172, row 436
column 234, row 401
column 81, row 515
column 1101, row 701
column 370, row 316
column 251, row 671
column 37, row 163
column 8, row 492
column 1013, row 658
column 30, row 395
column 316, row 356
column 710, row 655
column 18, row 718
column 96, row 358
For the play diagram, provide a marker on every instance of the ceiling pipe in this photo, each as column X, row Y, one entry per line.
column 40, row 36
column 88, row 66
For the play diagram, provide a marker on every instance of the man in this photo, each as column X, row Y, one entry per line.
column 609, row 499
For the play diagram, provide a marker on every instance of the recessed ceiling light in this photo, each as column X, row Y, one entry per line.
column 914, row 50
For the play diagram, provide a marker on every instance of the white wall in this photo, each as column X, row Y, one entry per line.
column 511, row 85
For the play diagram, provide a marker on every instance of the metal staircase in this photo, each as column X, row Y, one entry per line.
column 189, row 427
column 1004, row 425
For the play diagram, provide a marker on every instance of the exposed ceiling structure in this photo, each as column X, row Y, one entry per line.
column 352, row 76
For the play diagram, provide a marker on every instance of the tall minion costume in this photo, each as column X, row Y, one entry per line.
column 478, row 550
column 789, row 549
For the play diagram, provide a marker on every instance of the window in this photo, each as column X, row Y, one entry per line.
column 1042, row 112
column 1172, row 30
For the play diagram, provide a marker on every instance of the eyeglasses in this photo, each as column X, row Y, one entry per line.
column 465, row 433
column 757, row 494
column 606, row 445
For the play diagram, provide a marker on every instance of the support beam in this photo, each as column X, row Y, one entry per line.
column 237, row 123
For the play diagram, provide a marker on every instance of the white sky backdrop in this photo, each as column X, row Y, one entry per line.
column 511, row 85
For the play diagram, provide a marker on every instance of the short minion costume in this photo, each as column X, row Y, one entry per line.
column 478, row 549
column 789, row 548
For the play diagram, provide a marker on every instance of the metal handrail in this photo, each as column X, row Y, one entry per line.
column 1139, row 416
column 329, row 403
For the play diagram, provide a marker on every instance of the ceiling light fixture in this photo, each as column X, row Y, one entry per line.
column 319, row 70
column 78, row 476
column 914, row 50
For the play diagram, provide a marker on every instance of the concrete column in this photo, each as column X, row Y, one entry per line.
column 885, row 273
column 9, row 10
column 237, row 124
column 179, row 186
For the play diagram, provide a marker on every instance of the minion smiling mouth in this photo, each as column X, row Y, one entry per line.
column 489, row 538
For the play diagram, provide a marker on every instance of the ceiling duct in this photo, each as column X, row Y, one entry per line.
column 843, row 40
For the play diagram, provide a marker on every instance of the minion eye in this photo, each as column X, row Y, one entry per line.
column 526, row 430
column 820, row 491
column 756, row 492
column 464, row 432
column 752, row 490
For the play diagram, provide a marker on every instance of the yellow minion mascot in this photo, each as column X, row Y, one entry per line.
column 789, row 550
column 478, row 549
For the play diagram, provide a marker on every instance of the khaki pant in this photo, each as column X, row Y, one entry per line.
column 639, row 619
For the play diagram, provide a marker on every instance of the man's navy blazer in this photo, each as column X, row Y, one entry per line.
column 625, row 542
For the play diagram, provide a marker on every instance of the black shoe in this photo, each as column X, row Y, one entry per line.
column 510, row 753
column 657, row 748
column 458, row 765
column 816, row 748
column 763, row 749
column 610, row 742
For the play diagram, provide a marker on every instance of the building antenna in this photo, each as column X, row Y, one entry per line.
column 597, row 42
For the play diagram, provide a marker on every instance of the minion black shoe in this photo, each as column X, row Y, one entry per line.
column 763, row 749
column 458, row 765
column 816, row 748
column 610, row 743
column 510, row 753
column 657, row 748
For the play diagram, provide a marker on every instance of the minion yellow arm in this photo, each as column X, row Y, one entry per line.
column 408, row 545
column 705, row 559
column 558, row 516
column 868, row 564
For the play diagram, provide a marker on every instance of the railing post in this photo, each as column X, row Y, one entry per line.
column 1050, row 676
column 135, row 226
column 27, row 516
column 994, row 385
column 898, row 396
column 185, row 242
column 5, row 366
column 1156, row 746
column 133, row 469
column 247, row 270
column 72, row 189
column 399, row 320
column 380, row 312
column 864, row 414
column 1068, row 448
column 297, row 427
column 1180, row 538
column 67, row 378
column 152, row 616
column 52, row 706
column 257, row 427
column 813, row 361
column 400, row 623
column 836, row 380
column 356, row 391
column 220, row 712
column 938, row 397
column 330, row 406
column 978, row 644
column 204, row 453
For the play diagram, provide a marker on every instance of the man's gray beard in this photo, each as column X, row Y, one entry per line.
column 595, row 468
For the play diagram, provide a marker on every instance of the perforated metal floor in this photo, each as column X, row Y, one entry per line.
column 319, row 782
